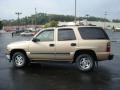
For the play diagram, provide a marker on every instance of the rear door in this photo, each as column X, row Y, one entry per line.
column 66, row 44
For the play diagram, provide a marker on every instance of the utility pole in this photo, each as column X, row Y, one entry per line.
column 79, row 21
column 26, row 21
column 18, row 14
column 35, row 18
column 75, row 11
column 87, row 15
column 105, row 16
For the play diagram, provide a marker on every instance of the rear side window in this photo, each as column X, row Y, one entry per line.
column 92, row 33
column 66, row 34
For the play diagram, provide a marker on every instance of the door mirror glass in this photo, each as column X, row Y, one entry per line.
column 35, row 40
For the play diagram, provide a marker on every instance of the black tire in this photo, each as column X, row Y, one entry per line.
column 85, row 62
column 19, row 60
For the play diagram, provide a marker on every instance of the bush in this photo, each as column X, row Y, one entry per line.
column 51, row 24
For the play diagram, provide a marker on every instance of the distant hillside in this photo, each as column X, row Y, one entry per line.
column 43, row 18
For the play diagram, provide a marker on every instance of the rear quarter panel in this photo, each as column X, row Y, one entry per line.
column 98, row 46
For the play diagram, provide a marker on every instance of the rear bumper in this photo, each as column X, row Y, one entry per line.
column 111, row 57
column 104, row 56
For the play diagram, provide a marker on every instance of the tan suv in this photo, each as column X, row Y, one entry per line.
column 83, row 45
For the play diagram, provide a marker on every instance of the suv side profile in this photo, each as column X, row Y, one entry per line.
column 83, row 45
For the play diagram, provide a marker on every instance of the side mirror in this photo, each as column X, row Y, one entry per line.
column 35, row 40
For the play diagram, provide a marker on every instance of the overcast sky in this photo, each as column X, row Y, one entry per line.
column 66, row 7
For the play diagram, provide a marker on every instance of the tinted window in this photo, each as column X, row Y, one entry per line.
column 47, row 35
column 66, row 34
column 92, row 33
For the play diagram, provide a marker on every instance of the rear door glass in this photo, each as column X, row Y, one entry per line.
column 92, row 33
column 66, row 34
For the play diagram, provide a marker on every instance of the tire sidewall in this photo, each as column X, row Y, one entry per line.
column 92, row 61
column 13, row 59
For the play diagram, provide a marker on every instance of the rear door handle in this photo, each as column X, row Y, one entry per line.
column 52, row 45
column 73, row 44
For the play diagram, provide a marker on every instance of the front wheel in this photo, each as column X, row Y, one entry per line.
column 19, row 60
column 85, row 62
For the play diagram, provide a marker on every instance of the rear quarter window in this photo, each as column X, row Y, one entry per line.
column 92, row 33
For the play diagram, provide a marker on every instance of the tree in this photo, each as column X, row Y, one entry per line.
column 43, row 18
column 1, row 25
column 51, row 24
column 116, row 20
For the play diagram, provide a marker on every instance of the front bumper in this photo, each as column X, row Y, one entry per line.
column 8, row 57
column 111, row 57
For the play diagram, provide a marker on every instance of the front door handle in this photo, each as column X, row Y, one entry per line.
column 52, row 45
column 73, row 44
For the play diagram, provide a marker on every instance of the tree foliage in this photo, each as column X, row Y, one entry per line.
column 92, row 18
column 51, row 24
column 1, row 25
column 116, row 20
column 43, row 18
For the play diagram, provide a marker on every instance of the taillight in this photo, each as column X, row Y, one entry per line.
column 108, row 47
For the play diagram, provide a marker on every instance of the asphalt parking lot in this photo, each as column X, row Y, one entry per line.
column 60, row 76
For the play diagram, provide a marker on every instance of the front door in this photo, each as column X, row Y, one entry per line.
column 45, row 48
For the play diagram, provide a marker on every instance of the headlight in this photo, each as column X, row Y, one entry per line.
column 7, row 51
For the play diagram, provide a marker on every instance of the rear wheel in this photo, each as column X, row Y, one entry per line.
column 85, row 62
column 19, row 59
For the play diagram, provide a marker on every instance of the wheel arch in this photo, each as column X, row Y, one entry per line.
column 84, row 51
column 17, row 50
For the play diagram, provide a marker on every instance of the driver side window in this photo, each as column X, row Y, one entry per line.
column 47, row 35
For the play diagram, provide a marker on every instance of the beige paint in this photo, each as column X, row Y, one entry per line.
column 62, row 50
